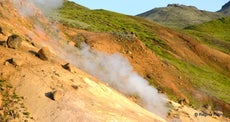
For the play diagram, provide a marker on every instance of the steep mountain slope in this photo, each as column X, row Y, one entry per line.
column 179, row 16
column 182, row 66
column 84, row 98
column 214, row 33
column 225, row 9
column 79, row 96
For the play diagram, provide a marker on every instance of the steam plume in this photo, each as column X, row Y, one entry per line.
column 118, row 73
column 26, row 7
column 113, row 69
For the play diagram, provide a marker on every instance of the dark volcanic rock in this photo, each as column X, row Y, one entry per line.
column 67, row 67
column 225, row 9
column 16, row 61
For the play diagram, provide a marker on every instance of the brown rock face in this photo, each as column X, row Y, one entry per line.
column 14, row 41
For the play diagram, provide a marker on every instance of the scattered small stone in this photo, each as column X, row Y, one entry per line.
column 150, row 76
column 170, row 102
column 67, row 67
column 218, row 113
column 186, row 101
column 75, row 87
column 6, row 63
column 14, row 41
column 207, row 112
column 128, row 52
column 44, row 53
column 1, row 31
column 183, row 101
column 15, row 61
column 57, row 95
column 55, row 73
column 176, row 116
column 208, row 107
column 160, row 90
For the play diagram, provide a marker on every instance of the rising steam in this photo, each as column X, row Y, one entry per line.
column 26, row 7
column 113, row 69
column 118, row 73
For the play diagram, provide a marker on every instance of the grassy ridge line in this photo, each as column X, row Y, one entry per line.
column 106, row 21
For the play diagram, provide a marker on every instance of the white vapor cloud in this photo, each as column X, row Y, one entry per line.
column 30, row 7
column 119, row 74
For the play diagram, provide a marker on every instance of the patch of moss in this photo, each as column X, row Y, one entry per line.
column 11, row 104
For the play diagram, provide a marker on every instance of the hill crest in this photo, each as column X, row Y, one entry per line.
column 179, row 16
column 225, row 9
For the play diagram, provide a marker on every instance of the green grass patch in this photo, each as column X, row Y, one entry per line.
column 202, row 78
column 76, row 16
column 11, row 104
column 215, row 33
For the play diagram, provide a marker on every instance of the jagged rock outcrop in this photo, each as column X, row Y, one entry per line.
column 225, row 9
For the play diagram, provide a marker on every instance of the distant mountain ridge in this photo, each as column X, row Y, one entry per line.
column 180, row 16
column 225, row 9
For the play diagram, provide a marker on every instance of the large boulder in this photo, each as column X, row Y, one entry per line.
column 44, row 53
column 14, row 41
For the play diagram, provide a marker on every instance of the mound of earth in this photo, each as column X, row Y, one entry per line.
column 179, row 16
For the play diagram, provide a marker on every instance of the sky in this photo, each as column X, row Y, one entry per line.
column 134, row 7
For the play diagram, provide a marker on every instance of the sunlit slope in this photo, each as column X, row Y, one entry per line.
column 175, row 49
column 215, row 33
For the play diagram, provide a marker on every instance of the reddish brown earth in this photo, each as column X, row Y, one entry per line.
column 147, row 64
column 144, row 61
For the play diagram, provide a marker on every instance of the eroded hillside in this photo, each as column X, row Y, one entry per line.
column 50, row 91
column 182, row 65
column 175, row 63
